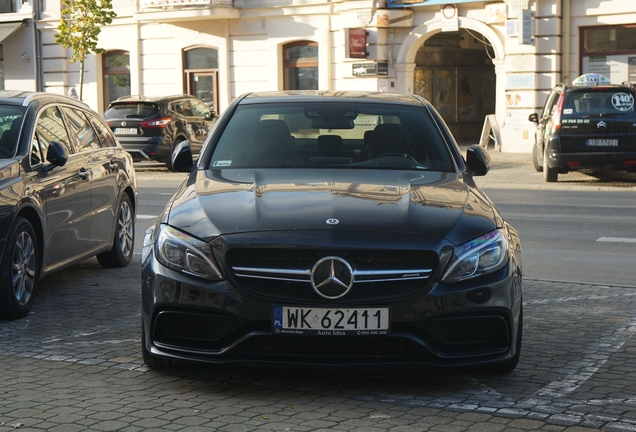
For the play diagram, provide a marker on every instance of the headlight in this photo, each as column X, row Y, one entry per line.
column 478, row 257
column 182, row 252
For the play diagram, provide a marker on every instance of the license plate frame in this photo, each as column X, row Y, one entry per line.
column 332, row 321
column 125, row 131
column 601, row 142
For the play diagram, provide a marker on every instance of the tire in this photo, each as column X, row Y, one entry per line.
column 550, row 175
column 19, row 270
column 151, row 360
column 124, row 239
column 537, row 158
column 175, row 144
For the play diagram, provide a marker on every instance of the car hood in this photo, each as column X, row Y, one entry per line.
column 445, row 205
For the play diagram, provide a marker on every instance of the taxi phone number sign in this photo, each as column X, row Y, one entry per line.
column 299, row 320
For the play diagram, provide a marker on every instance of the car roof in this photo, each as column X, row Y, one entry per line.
column 137, row 98
column 24, row 97
column 330, row 96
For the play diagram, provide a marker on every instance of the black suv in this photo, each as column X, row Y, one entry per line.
column 588, row 125
column 150, row 128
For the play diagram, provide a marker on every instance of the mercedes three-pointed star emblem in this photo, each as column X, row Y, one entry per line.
column 332, row 277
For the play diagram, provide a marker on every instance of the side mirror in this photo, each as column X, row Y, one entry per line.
column 57, row 154
column 209, row 115
column 533, row 118
column 477, row 160
column 182, row 160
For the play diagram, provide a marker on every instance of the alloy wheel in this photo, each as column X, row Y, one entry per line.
column 24, row 271
column 126, row 228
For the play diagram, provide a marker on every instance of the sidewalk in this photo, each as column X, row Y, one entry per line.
column 515, row 170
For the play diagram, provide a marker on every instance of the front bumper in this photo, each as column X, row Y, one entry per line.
column 185, row 318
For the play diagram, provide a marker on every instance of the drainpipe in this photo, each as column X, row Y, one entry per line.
column 37, row 61
column 565, row 40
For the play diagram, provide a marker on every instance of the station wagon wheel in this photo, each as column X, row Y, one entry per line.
column 550, row 175
column 19, row 270
column 537, row 158
column 124, row 237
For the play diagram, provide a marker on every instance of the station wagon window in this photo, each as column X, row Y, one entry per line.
column 50, row 127
column 82, row 129
column 106, row 138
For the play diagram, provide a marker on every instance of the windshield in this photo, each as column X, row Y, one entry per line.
column 132, row 110
column 327, row 134
column 10, row 124
column 594, row 103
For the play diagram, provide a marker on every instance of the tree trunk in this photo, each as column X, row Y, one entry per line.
column 81, row 79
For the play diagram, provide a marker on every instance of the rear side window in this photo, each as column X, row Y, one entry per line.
column 616, row 102
column 106, row 138
column 82, row 129
column 132, row 110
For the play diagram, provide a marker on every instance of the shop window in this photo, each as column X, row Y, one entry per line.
column 300, row 66
column 116, row 75
column 610, row 51
column 201, row 74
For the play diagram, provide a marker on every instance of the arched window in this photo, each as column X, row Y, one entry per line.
column 201, row 74
column 300, row 65
column 116, row 75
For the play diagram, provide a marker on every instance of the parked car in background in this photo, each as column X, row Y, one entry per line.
column 67, row 192
column 589, row 125
column 333, row 229
column 150, row 128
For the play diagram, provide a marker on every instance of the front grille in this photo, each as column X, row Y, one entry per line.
column 284, row 274
column 322, row 350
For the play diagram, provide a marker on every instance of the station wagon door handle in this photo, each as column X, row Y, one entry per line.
column 83, row 174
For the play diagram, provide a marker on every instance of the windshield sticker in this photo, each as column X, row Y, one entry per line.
column 222, row 163
column 623, row 101
column 568, row 111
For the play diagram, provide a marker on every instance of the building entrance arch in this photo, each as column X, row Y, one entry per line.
column 455, row 72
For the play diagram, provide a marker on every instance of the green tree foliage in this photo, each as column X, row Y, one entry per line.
column 80, row 27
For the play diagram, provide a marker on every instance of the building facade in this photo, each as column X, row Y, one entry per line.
column 471, row 59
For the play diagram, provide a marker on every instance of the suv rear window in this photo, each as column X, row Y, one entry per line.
column 132, row 110
column 599, row 102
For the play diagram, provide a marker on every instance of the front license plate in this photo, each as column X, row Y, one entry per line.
column 301, row 320
column 602, row 142
column 125, row 131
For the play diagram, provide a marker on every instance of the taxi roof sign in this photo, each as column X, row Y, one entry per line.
column 590, row 79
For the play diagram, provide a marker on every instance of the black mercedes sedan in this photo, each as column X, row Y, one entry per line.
column 68, row 192
column 332, row 229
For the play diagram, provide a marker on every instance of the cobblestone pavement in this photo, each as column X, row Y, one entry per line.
column 74, row 363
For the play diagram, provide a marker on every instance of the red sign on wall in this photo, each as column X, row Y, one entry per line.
column 357, row 43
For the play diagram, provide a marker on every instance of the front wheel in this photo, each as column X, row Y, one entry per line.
column 174, row 146
column 122, row 251
column 537, row 158
column 550, row 175
column 18, row 270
